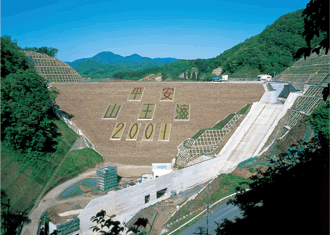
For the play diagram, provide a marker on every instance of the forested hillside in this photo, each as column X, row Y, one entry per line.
column 272, row 50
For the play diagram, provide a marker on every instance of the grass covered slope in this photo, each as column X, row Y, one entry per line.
column 75, row 163
column 23, row 182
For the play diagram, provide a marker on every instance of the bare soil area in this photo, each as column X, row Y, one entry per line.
column 245, row 173
column 53, row 212
column 209, row 103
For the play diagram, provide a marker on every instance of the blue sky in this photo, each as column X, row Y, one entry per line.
column 180, row 29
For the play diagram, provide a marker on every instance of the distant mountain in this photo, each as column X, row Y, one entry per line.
column 95, row 69
column 108, row 57
column 165, row 60
column 89, row 64
column 76, row 62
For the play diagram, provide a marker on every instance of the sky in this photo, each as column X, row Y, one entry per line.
column 179, row 29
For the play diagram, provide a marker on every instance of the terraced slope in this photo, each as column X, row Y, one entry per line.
column 314, row 70
column 209, row 103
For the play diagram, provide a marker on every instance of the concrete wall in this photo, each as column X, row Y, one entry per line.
column 278, row 87
column 132, row 199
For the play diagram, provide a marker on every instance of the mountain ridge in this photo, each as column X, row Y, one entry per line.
column 108, row 57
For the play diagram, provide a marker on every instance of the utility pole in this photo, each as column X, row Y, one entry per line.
column 207, row 218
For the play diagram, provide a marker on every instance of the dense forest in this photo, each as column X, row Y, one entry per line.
column 26, row 122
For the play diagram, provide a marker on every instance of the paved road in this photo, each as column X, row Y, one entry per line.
column 219, row 213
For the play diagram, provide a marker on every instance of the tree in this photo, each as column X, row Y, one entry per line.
column 26, row 116
column 26, row 105
column 138, row 225
column 293, row 196
column 50, row 51
column 325, row 92
column 193, row 76
column 11, row 59
column 9, row 220
column 316, row 22
column 113, row 227
column 101, row 220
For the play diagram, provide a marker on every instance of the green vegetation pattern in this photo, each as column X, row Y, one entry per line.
column 222, row 123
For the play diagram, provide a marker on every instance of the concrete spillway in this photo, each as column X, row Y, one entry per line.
column 252, row 134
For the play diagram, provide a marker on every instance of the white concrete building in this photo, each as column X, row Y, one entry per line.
column 264, row 77
column 160, row 169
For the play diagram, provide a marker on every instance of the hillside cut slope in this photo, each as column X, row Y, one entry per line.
column 314, row 70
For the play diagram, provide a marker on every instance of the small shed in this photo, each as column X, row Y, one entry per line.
column 146, row 177
column 159, row 169
column 216, row 79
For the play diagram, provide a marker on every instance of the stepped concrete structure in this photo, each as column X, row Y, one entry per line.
column 313, row 70
column 311, row 75
column 52, row 69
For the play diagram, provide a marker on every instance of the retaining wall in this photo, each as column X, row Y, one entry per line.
column 128, row 201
